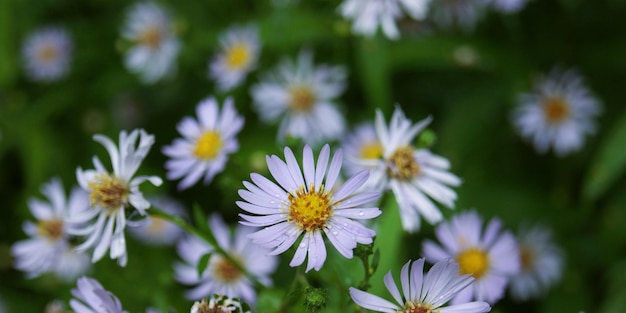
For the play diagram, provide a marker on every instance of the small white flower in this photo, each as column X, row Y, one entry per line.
column 412, row 174
column 423, row 293
column 220, row 275
column 91, row 297
column 491, row 256
column 149, row 28
column 507, row 6
column 361, row 144
column 206, row 143
column 55, row 306
column 368, row 15
column 558, row 114
column 47, row 53
column 111, row 193
column 237, row 57
column 48, row 249
column 219, row 303
column 157, row 230
column 541, row 263
column 311, row 205
column 302, row 96
column 461, row 13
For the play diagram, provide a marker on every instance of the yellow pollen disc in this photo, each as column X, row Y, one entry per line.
column 555, row 109
column 526, row 257
column 302, row 99
column 411, row 307
column 473, row 261
column 309, row 210
column 237, row 56
column 157, row 225
column 50, row 229
column 225, row 271
column 402, row 164
column 371, row 150
column 108, row 192
column 47, row 53
column 208, row 145
column 151, row 36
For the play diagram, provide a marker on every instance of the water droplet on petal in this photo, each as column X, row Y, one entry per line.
column 335, row 233
column 302, row 246
column 361, row 213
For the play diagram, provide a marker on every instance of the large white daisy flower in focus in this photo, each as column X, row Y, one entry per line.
column 206, row 143
column 308, row 204
column 301, row 95
column 423, row 293
column 558, row 114
column 111, row 193
column 155, row 46
column 369, row 15
column 47, row 53
column 239, row 52
column 91, row 297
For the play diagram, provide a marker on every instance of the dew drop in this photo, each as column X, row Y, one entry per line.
column 335, row 233
column 302, row 246
column 361, row 213
column 345, row 224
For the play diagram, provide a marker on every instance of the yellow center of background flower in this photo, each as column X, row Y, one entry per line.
column 473, row 261
column 151, row 36
column 302, row 99
column 225, row 271
column 108, row 192
column 157, row 224
column 371, row 150
column 208, row 145
column 555, row 109
column 237, row 56
column 205, row 307
column 48, row 53
column 309, row 210
column 51, row 229
column 402, row 164
column 411, row 307
column 526, row 258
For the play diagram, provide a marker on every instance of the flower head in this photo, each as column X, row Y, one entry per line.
column 491, row 257
column 361, row 144
column 460, row 13
column 219, row 304
column 157, row 230
column 558, row 113
column 369, row 15
column 47, row 53
column 206, row 143
column 91, row 297
column 423, row 293
column 308, row 204
column 541, row 263
column 507, row 6
column 221, row 276
column 111, row 193
column 49, row 249
column 155, row 46
column 237, row 57
column 302, row 96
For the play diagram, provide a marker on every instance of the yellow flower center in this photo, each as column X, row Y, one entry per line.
column 225, row 271
column 151, row 36
column 208, row 145
column 473, row 261
column 205, row 307
column 310, row 210
column 402, row 164
column 555, row 109
column 237, row 56
column 157, row 224
column 371, row 150
column 48, row 53
column 302, row 98
column 411, row 307
column 527, row 258
column 51, row 229
column 108, row 192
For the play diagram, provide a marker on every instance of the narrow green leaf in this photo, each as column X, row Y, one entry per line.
column 200, row 219
column 202, row 263
column 375, row 261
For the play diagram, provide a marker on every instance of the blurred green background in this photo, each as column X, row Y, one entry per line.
column 46, row 129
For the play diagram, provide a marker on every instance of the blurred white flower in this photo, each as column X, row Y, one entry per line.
column 155, row 46
column 302, row 95
column 238, row 55
column 206, row 143
column 558, row 114
column 460, row 13
column 369, row 15
column 491, row 256
column 219, row 303
column 221, row 276
column 91, row 297
column 47, row 53
column 156, row 230
column 361, row 144
column 48, row 250
column 111, row 194
column 541, row 263
column 55, row 306
column 507, row 6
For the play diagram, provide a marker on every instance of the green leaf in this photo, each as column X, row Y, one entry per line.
column 375, row 260
column 202, row 263
column 200, row 219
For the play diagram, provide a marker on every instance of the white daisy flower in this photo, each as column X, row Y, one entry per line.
column 541, row 263
column 507, row 6
column 56, row 306
column 219, row 303
column 422, row 293
column 368, row 15
column 47, row 53
column 91, row 297
column 302, row 96
column 362, row 143
column 153, row 55
column 491, row 256
column 220, row 275
column 48, row 250
column 460, row 13
column 308, row 204
column 206, row 143
column 238, row 56
column 156, row 230
column 111, row 193
column 558, row 114
column 412, row 174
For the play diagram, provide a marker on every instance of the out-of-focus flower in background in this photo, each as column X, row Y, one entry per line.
column 463, row 14
column 507, row 6
column 238, row 55
column 47, row 53
column 206, row 143
column 359, row 146
column 91, row 297
column 156, row 230
column 219, row 303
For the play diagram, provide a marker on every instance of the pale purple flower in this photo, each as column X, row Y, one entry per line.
column 91, row 297
column 47, row 53
column 361, row 144
column 457, row 13
column 238, row 55
column 156, row 230
column 369, row 15
column 307, row 206
column 507, row 6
